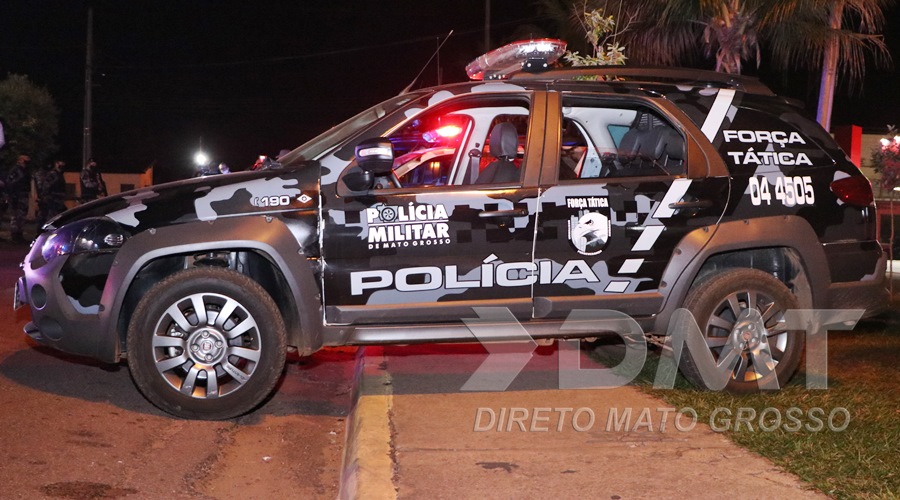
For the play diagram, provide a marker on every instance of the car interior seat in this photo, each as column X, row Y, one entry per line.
column 636, row 147
column 652, row 151
column 668, row 149
column 573, row 149
column 504, row 145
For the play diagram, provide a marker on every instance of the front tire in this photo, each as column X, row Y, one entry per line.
column 206, row 343
column 740, row 313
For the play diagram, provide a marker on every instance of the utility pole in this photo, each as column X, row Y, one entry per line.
column 88, row 84
column 487, row 25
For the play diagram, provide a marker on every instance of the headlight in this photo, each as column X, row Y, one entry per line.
column 88, row 235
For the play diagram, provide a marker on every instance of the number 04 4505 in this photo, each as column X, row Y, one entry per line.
column 788, row 190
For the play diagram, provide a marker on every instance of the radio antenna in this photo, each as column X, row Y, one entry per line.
column 436, row 52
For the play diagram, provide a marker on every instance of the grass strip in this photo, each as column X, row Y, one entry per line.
column 860, row 461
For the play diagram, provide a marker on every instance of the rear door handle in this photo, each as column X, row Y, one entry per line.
column 516, row 212
column 690, row 204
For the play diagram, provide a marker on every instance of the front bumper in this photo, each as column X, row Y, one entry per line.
column 59, row 319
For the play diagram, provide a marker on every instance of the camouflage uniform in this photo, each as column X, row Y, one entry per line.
column 92, row 185
column 51, row 192
column 18, row 188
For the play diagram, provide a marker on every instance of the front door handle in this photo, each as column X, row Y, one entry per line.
column 516, row 212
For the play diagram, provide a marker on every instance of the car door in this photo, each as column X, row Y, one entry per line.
column 630, row 183
column 436, row 238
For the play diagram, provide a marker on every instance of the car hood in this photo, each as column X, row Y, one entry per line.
column 205, row 198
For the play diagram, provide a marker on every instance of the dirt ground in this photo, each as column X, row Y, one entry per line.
column 76, row 429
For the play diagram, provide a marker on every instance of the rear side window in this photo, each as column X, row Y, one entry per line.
column 602, row 139
column 617, row 132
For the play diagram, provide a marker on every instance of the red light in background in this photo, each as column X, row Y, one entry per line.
column 444, row 132
column 449, row 131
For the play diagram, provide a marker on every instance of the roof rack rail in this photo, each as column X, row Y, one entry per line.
column 653, row 74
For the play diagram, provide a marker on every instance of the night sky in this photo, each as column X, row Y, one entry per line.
column 254, row 77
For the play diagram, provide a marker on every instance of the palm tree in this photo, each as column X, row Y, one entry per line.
column 834, row 34
column 667, row 32
column 732, row 32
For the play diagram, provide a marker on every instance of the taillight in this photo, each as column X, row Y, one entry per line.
column 855, row 190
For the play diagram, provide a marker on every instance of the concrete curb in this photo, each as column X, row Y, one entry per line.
column 385, row 433
column 368, row 458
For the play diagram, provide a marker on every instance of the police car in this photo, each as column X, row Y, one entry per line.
column 539, row 191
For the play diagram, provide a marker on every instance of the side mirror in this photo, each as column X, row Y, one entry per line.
column 375, row 156
column 359, row 180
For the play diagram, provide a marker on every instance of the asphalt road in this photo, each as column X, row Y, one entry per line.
column 73, row 428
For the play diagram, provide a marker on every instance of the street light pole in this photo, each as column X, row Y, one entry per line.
column 88, row 84
column 487, row 25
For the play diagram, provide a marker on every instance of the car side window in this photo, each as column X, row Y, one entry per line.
column 425, row 148
column 617, row 140
column 477, row 141
column 500, row 159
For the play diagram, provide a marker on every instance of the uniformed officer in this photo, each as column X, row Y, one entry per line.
column 51, row 191
column 92, row 185
column 17, row 190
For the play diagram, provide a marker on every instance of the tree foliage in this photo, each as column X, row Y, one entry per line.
column 659, row 32
column 886, row 159
column 796, row 32
column 731, row 32
column 601, row 31
column 799, row 32
column 836, row 36
column 30, row 120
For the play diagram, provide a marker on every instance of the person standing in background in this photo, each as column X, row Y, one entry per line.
column 17, row 190
column 92, row 185
column 51, row 191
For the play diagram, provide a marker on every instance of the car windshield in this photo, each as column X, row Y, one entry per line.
column 335, row 136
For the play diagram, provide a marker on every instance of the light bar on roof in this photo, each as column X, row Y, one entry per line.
column 499, row 63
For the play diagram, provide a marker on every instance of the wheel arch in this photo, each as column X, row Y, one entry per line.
column 156, row 253
column 785, row 246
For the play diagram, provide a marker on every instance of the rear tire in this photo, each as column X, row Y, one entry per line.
column 206, row 343
column 723, row 306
